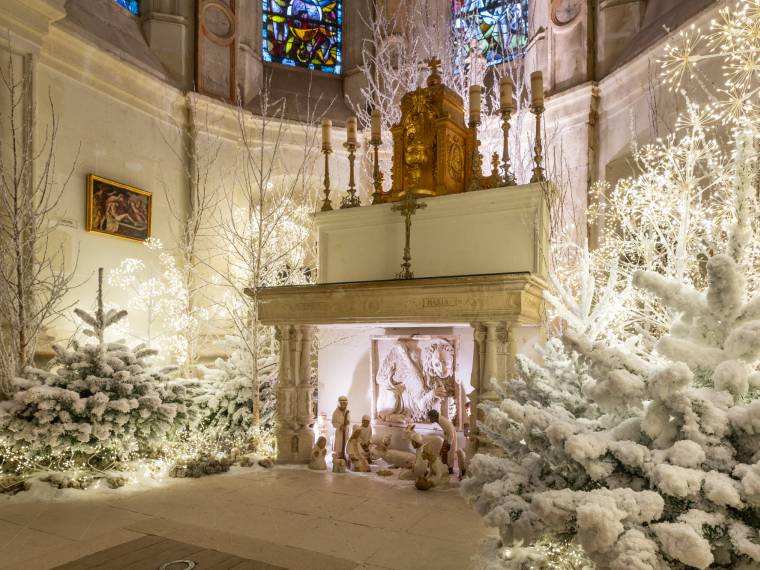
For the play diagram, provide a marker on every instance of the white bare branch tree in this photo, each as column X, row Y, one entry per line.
column 264, row 229
column 199, row 154
column 34, row 277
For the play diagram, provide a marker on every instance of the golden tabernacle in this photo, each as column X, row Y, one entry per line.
column 432, row 146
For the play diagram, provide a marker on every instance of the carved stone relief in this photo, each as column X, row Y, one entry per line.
column 411, row 375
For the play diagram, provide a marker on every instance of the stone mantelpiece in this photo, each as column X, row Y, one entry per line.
column 494, row 306
column 513, row 297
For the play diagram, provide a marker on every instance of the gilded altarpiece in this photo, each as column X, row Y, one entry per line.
column 432, row 146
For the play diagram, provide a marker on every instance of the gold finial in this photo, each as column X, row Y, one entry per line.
column 434, row 78
column 495, row 165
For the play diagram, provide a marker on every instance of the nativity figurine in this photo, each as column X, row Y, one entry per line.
column 341, row 421
column 358, row 446
column 449, row 447
column 318, row 455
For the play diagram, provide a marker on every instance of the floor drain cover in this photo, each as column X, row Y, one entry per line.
column 177, row 565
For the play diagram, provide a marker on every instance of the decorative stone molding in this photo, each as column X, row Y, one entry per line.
column 565, row 12
column 512, row 297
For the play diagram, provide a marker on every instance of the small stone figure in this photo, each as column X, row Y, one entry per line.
column 422, row 484
column 358, row 446
column 341, row 420
column 339, row 466
column 420, row 466
column 318, row 455
column 437, row 472
column 393, row 457
column 449, row 447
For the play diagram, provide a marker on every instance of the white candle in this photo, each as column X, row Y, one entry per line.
column 326, row 132
column 376, row 125
column 505, row 91
column 537, row 89
column 475, row 103
column 351, row 137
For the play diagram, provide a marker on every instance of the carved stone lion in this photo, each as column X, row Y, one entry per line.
column 412, row 380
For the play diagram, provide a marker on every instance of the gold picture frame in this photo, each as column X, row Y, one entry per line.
column 118, row 210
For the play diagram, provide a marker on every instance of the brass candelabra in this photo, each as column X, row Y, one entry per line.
column 508, row 178
column 351, row 200
column 326, row 205
column 538, row 169
column 476, row 159
column 377, row 176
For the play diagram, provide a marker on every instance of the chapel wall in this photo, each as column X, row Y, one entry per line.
column 125, row 122
column 109, row 127
column 616, row 96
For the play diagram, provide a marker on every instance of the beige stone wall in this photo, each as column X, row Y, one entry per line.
column 604, row 90
column 123, row 121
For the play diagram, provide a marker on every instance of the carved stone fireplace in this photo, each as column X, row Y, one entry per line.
column 490, row 314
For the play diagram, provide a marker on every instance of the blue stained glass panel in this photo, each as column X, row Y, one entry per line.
column 131, row 5
column 499, row 26
column 303, row 33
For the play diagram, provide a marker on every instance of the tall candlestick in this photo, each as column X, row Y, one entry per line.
column 376, row 125
column 351, row 137
column 351, row 200
column 505, row 92
column 475, row 104
column 537, row 108
column 537, row 89
column 326, row 149
column 376, row 140
column 475, row 165
column 506, row 114
column 326, row 133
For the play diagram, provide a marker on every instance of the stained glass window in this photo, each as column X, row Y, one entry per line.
column 499, row 26
column 131, row 5
column 304, row 33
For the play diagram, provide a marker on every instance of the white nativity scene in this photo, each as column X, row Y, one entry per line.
column 405, row 356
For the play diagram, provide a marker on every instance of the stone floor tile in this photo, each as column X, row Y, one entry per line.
column 19, row 544
column 413, row 552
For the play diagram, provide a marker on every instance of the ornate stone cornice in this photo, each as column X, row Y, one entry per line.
column 511, row 297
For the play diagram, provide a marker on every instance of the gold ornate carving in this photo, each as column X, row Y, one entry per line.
column 456, row 158
column 430, row 142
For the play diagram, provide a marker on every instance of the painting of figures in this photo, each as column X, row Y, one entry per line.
column 117, row 209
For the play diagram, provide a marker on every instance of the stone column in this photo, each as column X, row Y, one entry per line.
column 304, row 406
column 295, row 437
column 304, row 416
column 284, row 414
column 476, row 379
column 491, row 367
column 493, row 358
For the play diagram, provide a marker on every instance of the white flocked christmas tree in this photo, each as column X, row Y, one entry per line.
column 100, row 403
column 646, row 463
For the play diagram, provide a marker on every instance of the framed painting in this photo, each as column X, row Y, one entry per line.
column 118, row 210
